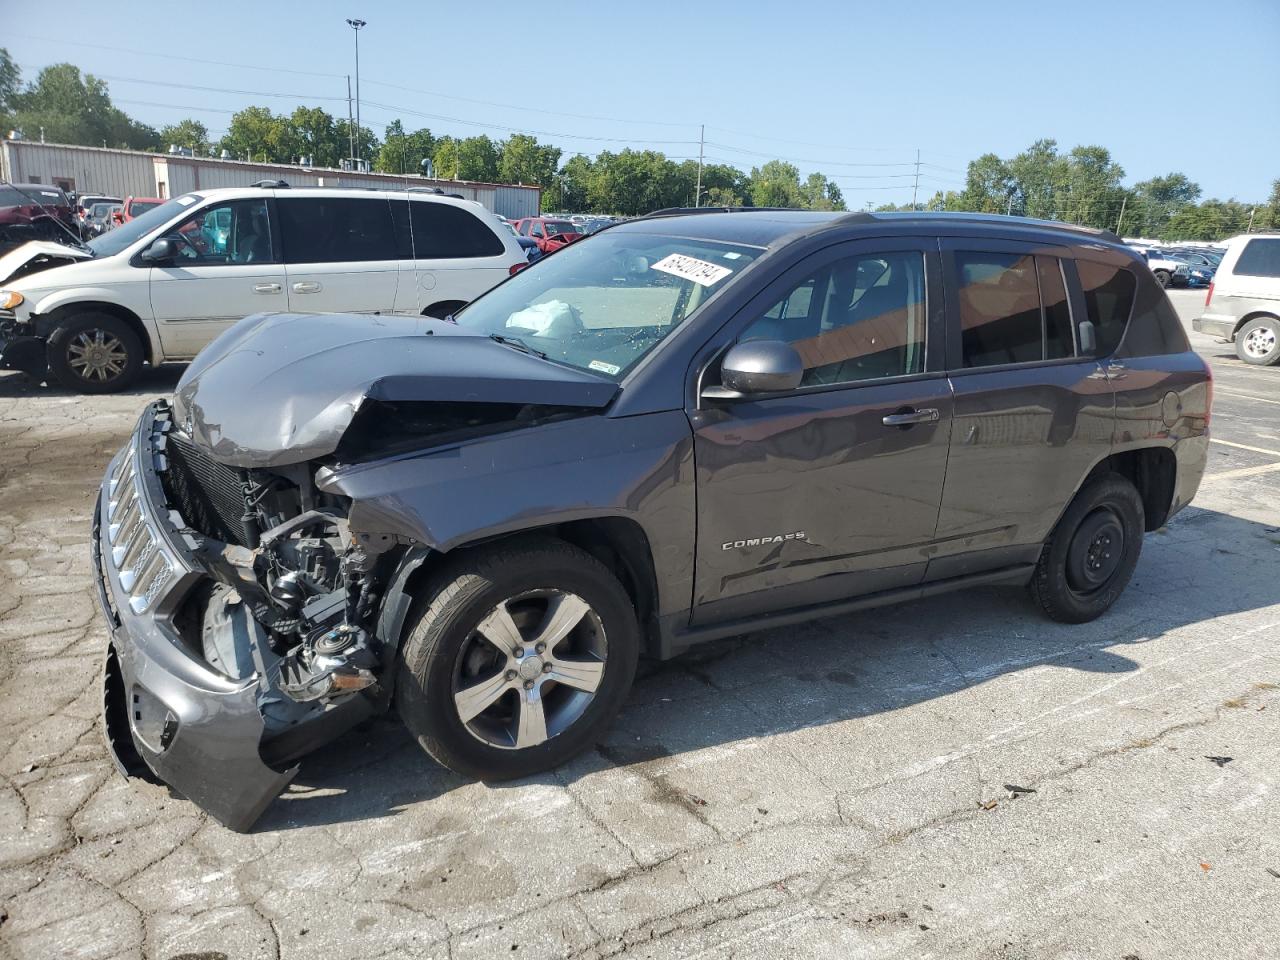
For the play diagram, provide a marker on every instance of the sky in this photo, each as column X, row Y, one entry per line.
column 852, row 89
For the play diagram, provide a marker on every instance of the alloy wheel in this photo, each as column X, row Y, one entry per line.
column 1259, row 342
column 529, row 669
column 97, row 355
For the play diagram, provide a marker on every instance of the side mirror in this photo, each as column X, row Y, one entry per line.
column 1088, row 339
column 161, row 250
column 758, row 366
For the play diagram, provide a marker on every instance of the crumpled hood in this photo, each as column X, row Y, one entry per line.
column 17, row 258
column 283, row 388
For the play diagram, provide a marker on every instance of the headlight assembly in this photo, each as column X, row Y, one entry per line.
column 10, row 299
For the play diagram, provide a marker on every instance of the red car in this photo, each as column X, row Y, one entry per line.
column 35, row 211
column 550, row 235
column 135, row 207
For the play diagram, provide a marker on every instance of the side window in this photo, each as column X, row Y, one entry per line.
column 858, row 319
column 1259, row 258
column 442, row 231
column 336, row 230
column 536, row 230
column 999, row 309
column 1058, row 342
column 233, row 233
column 1108, row 298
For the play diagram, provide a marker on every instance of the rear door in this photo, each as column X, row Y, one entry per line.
column 228, row 267
column 814, row 496
column 1032, row 416
column 457, row 255
column 341, row 254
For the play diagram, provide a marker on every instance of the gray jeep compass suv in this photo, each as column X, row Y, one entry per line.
column 687, row 426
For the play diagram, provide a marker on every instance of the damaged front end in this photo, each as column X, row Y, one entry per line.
column 241, row 608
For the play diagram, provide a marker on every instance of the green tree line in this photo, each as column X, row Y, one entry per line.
column 1084, row 185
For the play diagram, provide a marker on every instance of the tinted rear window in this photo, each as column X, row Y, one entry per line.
column 1259, row 258
column 336, row 230
column 1108, row 298
column 1000, row 318
column 442, row 231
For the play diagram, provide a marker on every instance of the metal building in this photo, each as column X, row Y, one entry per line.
column 124, row 173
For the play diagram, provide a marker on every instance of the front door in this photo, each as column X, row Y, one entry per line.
column 227, row 268
column 833, row 490
column 341, row 254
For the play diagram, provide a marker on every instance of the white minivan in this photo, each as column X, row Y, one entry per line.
column 162, row 286
column 1243, row 302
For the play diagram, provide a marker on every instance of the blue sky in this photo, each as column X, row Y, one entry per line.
column 852, row 89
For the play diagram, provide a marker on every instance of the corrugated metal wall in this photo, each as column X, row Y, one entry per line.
column 125, row 173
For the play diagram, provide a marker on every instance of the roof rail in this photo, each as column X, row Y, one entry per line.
column 690, row 211
column 271, row 184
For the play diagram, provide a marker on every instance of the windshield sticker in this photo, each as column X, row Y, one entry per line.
column 690, row 268
column 610, row 368
column 732, row 255
column 186, row 200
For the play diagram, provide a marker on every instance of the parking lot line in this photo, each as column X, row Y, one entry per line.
column 1245, row 446
column 1244, row 396
column 1243, row 472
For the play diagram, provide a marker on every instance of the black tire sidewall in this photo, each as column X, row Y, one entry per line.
column 1253, row 325
column 1163, row 278
column 456, row 602
column 91, row 320
column 1050, row 584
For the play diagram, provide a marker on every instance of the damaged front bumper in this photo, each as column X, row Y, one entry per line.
column 190, row 684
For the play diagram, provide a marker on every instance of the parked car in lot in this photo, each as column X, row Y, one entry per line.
column 134, row 207
column 683, row 428
column 549, row 234
column 35, row 211
column 101, row 219
column 1168, row 271
column 85, row 201
column 1243, row 303
column 163, row 285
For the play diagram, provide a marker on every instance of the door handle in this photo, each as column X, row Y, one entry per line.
column 906, row 418
column 306, row 286
column 267, row 288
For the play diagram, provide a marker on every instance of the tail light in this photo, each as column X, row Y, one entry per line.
column 516, row 268
column 1208, row 397
column 1208, row 294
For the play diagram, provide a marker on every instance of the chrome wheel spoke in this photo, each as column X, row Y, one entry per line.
column 579, row 674
column 563, row 614
column 500, row 630
column 475, row 699
column 531, row 724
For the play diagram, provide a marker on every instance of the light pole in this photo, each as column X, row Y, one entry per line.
column 356, row 25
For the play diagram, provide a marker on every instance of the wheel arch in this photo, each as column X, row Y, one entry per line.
column 442, row 308
column 1153, row 471
column 1251, row 316
column 50, row 321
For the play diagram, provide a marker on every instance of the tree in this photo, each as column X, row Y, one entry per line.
column 524, row 160
column 403, row 152
column 186, row 133
column 315, row 135
column 571, row 186
column 10, row 84
column 255, row 133
column 989, row 187
column 477, row 159
column 1154, row 201
column 446, row 158
column 819, row 193
column 1269, row 217
column 69, row 108
column 776, row 184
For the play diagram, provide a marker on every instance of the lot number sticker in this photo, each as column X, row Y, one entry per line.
column 691, row 268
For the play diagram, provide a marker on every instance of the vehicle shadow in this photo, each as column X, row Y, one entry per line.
column 161, row 379
column 833, row 670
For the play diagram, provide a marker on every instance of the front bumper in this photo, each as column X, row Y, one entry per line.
column 1215, row 326
column 199, row 730
column 19, row 350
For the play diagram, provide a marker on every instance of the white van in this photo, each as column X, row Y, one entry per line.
column 162, row 286
column 1243, row 302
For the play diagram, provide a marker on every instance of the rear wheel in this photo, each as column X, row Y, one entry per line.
column 94, row 353
column 1163, row 278
column 1092, row 552
column 1258, row 341
column 520, row 657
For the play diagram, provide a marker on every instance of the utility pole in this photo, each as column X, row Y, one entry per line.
column 916, row 188
column 1251, row 213
column 1124, row 201
column 356, row 25
column 351, row 133
column 702, row 137
column 1009, row 210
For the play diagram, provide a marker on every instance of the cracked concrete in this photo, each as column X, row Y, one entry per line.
column 955, row 778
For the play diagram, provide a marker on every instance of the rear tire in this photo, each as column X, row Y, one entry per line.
column 1258, row 342
column 1088, row 559
column 94, row 353
column 1163, row 277
column 571, row 690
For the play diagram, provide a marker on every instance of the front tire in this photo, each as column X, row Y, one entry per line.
column 1258, row 342
column 1163, row 278
column 94, row 353
column 1091, row 554
column 520, row 657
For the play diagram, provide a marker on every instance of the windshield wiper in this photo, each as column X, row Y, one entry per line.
column 518, row 344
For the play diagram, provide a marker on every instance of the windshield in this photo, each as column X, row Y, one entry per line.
column 601, row 304
column 557, row 228
column 139, row 207
column 113, row 241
